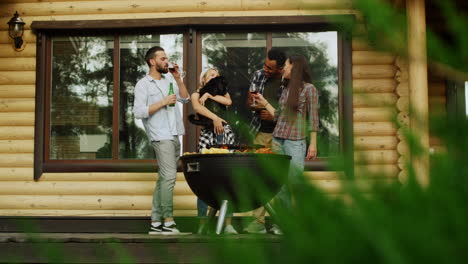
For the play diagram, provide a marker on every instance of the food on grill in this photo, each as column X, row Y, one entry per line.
column 214, row 151
column 225, row 149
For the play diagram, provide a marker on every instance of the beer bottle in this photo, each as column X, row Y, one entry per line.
column 171, row 91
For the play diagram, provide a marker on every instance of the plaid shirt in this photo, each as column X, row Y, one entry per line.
column 260, row 79
column 307, row 115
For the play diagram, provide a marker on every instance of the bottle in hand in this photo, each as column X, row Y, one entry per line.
column 171, row 91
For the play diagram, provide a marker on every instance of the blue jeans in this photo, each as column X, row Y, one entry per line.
column 202, row 209
column 297, row 150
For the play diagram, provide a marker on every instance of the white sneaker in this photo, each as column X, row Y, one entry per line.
column 170, row 230
column 275, row 230
column 229, row 230
column 255, row 228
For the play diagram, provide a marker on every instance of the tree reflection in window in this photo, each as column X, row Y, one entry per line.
column 81, row 98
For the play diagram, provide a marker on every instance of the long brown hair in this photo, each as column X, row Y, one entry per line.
column 300, row 73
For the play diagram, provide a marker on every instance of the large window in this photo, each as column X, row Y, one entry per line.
column 82, row 101
column 239, row 55
column 87, row 81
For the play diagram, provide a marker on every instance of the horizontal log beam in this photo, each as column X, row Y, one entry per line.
column 9, row 52
column 16, row 146
column 374, row 129
column 373, row 114
column 340, row 186
column 376, row 157
column 375, row 143
column 18, row 91
column 90, row 202
column 372, row 58
column 87, row 188
column 16, row 174
column 86, row 213
column 323, row 175
column 18, row 64
column 21, row 160
column 17, row 77
column 105, row 176
column 17, row 119
column 142, row 6
column 373, row 71
column 16, row 133
column 360, row 44
column 376, row 170
column 17, row 105
column 374, row 85
column 375, row 100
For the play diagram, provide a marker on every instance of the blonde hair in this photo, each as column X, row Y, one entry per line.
column 203, row 76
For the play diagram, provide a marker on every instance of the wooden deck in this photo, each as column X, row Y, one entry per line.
column 126, row 247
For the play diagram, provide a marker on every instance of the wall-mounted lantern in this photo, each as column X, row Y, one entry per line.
column 16, row 30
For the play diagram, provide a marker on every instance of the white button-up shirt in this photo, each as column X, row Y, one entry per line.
column 165, row 123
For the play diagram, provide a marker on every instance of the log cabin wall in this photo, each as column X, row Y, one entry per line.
column 129, row 194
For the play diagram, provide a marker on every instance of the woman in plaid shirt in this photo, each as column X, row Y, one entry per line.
column 296, row 116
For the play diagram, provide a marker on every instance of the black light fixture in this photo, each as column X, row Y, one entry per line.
column 16, row 30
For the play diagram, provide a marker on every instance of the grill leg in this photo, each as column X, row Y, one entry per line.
column 222, row 215
column 270, row 210
column 205, row 226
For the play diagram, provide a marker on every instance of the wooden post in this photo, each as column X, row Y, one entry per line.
column 417, row 69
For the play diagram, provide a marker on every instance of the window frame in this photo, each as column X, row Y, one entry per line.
column 191, row 28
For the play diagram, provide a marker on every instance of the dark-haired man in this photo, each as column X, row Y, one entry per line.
column 163, row 124
column 268, row 83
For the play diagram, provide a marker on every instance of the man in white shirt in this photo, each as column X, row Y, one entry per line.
column 163, row 124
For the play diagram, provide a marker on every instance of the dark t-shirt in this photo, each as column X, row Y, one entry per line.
column 270, row 93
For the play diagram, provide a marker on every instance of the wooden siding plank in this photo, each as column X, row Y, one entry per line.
column 90, row 202
column 17, row 119
column 374, row 100
column 141, row 6
column 16, row 146
column 17, row 77
column 16, row 174
column 7, row 51
column 372, row 58
column 376, row 170
column 376, row 157
column 373, row 71
column 16, row 133
column 18, row 64
column 339, row 186
column 65, row 212
column 20, row 160
column 87, row 188
column 375, row 143
column 374, row 114
column 374, row 129
column 105, row 176
column 17, row 91
column 374, row 85
column 17, row 105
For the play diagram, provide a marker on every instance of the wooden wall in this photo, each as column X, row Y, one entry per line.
column 129, row 194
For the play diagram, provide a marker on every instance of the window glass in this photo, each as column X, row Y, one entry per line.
column 81, row 98
column 237, row 56
column 133, row 142
column 321, row 49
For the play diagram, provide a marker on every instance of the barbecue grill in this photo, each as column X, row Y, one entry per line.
column 235, row 182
